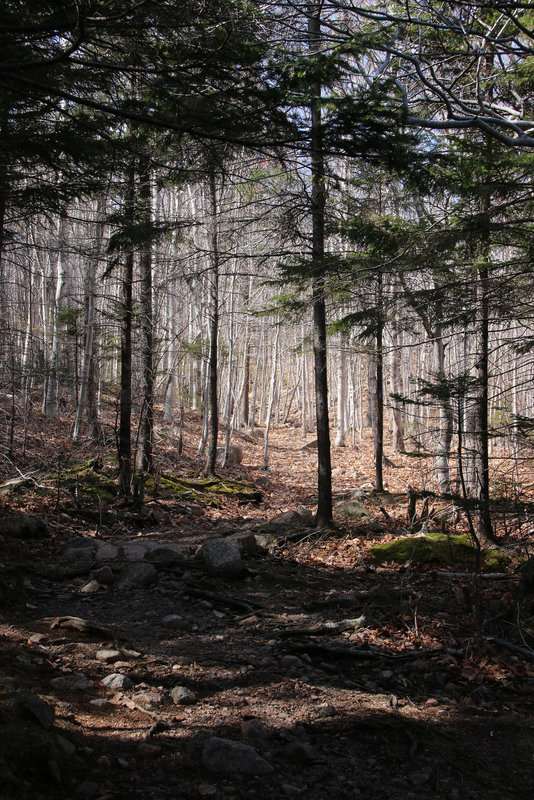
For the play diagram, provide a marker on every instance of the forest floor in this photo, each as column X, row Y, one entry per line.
column 318, row 673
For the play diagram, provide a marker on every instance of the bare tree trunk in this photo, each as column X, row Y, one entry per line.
column 89, row 322
column 272, row 393
column 229, row 398
column 484, row 523
column 125, row 400
column 324, row 467
column 378, row 428
column 214, row 333
column 446, row 421
column 52, row 391
column 146, row 422
column 398, row 424
column 342, row 395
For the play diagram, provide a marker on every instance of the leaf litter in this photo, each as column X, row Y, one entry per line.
column 346, row 677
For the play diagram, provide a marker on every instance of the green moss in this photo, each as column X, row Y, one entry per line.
column 435, row 547
column 202, row 490
column 85, row 484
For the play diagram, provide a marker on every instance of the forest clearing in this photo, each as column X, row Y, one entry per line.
column 129, row 669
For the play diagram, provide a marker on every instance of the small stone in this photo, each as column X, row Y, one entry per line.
column 324, row 710
column 108, row 656
column 37, row 638
column 117, row 681
column 91, row 587
column 290, row 789
column 171, row 619
column 225, row 755
column 182, row 696
column 150, row 700
column 100, row 702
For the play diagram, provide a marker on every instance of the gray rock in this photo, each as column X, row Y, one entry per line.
column 106, row 551
column 134, row 551
column 352, row 509
column 36, row 707
column 235, row 454
column 117, row 681
column 291, row 663
column 299, row 517
column 136, row 575
column 324, row 710
column 246, row 542
column 100, row 702
column 79, row 549
column 263, row 541
column 150, row 700
column 91, row 587
column 108, row 655
column 166, row 554
column 182, row 696
column 227, row 756
column 171, row 619
column 222, row 558
column 71, row 682
column 104, row 576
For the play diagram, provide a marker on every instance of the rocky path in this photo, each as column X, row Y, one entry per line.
column 133, row 666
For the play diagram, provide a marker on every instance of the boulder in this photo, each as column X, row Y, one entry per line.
column 235, row 454
column 299, row 517
column 222, row 558
column 352, row 509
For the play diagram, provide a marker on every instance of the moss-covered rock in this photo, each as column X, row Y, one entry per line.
column 436, row 547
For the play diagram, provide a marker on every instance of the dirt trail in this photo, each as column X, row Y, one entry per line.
column 317, row 675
